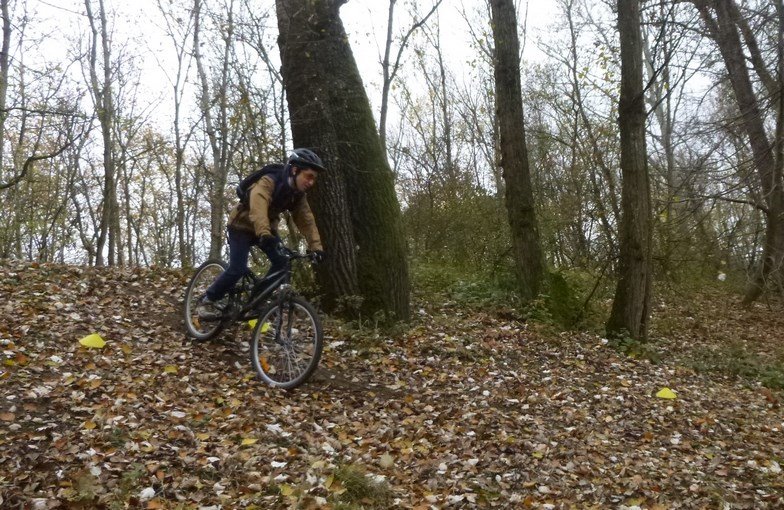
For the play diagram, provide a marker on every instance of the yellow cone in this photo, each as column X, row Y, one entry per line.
column 93, row 341
column 666, row 393
column 264, row 327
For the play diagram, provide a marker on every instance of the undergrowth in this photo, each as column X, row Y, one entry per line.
column 737, row 361
column 571, row 300
column 361, row 491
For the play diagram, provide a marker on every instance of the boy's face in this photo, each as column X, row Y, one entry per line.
column 305, row 179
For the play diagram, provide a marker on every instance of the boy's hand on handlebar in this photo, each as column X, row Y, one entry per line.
column 268, row 243
column 317, row 256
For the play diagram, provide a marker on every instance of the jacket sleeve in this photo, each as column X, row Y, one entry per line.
column 306, row 223
column 260, row 199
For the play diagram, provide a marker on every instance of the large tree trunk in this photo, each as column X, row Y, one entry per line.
column 722, row 18
column 529, row 260
column 631, row 306
column 355, row 203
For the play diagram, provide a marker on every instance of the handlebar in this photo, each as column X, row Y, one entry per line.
column 295, row 255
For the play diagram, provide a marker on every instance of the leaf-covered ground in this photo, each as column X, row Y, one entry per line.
column 464, row 410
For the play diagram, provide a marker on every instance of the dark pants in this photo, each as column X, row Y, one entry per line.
column 240, row 243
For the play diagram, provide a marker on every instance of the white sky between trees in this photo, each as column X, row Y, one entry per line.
column 138, row 26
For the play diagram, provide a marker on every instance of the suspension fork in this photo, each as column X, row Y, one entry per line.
column 284, row 298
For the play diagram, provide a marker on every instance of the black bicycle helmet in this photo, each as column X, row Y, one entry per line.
column 306, row 158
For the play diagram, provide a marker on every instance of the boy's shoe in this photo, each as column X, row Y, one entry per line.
column 208, row 310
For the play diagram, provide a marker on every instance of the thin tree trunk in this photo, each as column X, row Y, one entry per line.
column 722, row 27
column 4, row 67
column 660, row 99
column 529, row 260
column 180, row 140
column 390, row 69
column 102, row 93
column 597, row 160
column 631, row 305
column 115, row 233
column 217, row 144
column 387, row 77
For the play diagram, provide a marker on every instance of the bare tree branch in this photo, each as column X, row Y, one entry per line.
column 29, row 163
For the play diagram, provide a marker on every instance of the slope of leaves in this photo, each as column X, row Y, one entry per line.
column 463, row 410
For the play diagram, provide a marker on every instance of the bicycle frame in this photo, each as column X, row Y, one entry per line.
column 262, row 290
column 270, row 284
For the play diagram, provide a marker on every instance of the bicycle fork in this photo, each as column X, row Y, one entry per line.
column 284, row 293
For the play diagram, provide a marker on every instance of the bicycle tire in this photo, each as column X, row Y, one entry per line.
column 205, row 274
column 277, row 360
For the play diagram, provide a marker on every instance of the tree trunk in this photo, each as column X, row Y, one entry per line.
column 659, row 97
column 4, row 66
column 355, row 203
column 102, row 94
column 390, row 69
column 723, row 29
column 631, row 305
column 216, row 129
column 529, row 260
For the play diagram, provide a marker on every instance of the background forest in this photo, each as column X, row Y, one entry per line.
column 124, row 131
column 514, row 205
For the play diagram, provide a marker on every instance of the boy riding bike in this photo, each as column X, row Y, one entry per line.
column 255, row 221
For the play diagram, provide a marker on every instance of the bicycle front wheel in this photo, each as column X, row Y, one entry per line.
column 200, row 329
column 287, row 343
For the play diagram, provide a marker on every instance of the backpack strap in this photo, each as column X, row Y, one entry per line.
column 243, row 188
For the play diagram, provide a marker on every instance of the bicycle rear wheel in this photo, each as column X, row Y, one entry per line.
column 199, row 329
column 287, row 343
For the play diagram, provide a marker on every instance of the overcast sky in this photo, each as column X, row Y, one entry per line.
column 365, row 22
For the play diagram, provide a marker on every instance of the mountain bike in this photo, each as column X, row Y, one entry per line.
column 287, row 338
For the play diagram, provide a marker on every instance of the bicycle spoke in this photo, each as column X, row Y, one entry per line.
column 198, row 328
column 288, row 352
column 292, row 360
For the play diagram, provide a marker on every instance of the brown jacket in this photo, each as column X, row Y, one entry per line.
column 262, row 218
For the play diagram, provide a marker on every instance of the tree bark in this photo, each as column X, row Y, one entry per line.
column 354, row 202
column 631, row 305
column 529, row 260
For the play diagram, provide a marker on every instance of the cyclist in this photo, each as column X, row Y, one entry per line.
column 255, row 221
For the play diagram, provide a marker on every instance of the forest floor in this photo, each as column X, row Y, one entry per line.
column 465, row 409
